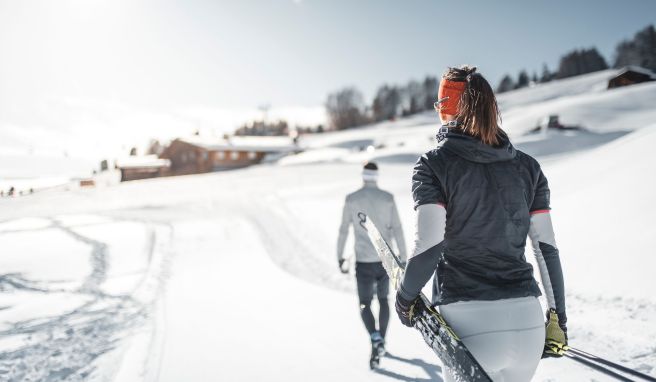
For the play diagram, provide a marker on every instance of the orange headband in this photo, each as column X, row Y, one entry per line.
column 453, row 90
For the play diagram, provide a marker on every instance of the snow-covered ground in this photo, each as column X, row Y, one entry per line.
column 232, row 276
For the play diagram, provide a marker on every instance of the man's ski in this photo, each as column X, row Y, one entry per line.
column 430, row 323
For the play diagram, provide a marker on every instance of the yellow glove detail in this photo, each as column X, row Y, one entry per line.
column 556, row 340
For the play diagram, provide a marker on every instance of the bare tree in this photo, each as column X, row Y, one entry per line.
column 345, row 108
column 430, row 85
column 387, row 103
column 154, row 148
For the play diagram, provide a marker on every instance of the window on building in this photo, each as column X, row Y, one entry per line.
column 234, row 155
column 252, row 155
column 204, row 155
column 220, row 155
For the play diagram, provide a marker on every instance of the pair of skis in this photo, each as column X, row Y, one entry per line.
column 429, row 322
column 445, row 342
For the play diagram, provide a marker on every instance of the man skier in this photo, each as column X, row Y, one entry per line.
column 380, row 207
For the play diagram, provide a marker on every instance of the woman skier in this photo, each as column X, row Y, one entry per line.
column 476, row 199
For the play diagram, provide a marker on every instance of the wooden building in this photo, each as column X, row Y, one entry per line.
column 142, row 167
column 631, row 75
column 198, row 154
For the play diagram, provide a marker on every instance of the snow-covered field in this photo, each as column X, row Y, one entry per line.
column 232, row 276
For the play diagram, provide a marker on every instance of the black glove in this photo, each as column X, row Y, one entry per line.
column 555, row 343
column 408, row 310
column 341, row 266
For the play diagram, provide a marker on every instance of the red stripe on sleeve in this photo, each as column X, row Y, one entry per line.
column 539, row 212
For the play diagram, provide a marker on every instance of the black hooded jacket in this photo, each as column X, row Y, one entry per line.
column 488, row 193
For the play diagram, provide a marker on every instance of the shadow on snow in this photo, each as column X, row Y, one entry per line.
column 434, row 372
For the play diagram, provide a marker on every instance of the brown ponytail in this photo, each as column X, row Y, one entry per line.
column 478, row 112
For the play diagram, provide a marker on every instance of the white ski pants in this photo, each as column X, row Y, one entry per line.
column 505, row 336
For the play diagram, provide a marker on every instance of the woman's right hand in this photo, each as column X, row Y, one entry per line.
column 407, row 310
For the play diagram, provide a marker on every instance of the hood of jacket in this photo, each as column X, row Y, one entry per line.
column 472, row 149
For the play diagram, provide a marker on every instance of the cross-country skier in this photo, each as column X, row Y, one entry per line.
column 371, row 277
column 476, row 200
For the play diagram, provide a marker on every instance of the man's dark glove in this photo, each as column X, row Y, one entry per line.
column 341, row 266
column 408, row 310
column 555, row 343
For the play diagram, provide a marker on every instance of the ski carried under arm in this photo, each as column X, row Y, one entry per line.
column 429, row 322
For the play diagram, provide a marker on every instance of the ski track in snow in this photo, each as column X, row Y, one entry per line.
column 622, row 329
column 16, row 281
column 289, row 245
column 98, row 260
column 76, row 345
column 64, row 347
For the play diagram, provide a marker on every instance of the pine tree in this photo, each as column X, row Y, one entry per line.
column 641, row 50
column 546, row 74
column 522, row 80
column 579, row 62
column 506, row 84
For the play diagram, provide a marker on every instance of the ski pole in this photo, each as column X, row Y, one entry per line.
column 624, row 369
column 597, row 367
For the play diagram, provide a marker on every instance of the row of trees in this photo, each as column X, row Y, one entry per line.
column 346, row 107
column 260, row 128
column 275, row 128
column 640, row 50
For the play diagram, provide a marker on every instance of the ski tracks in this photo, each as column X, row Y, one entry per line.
column 66, row 347
column 290, row 245
column 98, row 259
column 618, row 328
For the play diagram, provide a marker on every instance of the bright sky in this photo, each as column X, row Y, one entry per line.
column 126, row 64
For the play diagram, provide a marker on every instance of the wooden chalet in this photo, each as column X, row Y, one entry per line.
column 631, row 75
column 142, row 167
column 199, row 154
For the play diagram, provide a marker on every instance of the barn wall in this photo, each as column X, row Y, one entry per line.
column 186, row 158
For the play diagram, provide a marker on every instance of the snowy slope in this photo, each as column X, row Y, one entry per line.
column 588, row 83
column 232, row 276
column 228, row 306
column 582, row 100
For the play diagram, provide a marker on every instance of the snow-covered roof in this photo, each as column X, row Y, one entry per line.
column 637, row 69
column 145, row 161
column 260, row 144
